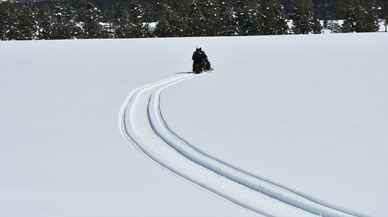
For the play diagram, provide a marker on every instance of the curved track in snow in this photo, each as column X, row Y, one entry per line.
column 142, row 123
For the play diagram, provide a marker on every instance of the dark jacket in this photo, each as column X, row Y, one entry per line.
column 199, row 56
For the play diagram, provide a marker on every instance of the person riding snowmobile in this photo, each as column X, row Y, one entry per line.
column 200, row 61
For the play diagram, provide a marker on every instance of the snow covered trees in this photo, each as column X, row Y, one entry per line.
column 264, row 17
column 3, row 20
column 120, row 20
column 25, row 25
column 140, row 28
column 67, row 19
column 43, row 22
column 226, row 22
column 223, row 18
column 91, row 18
column 361, row 17
column 384, row 13
column 204, row 17
column 17, row 23
column 246, row 18
column 127, row 19
column 171, row 23
column 63, row 21
column 304, row 20
column 272, row 18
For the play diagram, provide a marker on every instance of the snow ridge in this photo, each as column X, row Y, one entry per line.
column 182, row 158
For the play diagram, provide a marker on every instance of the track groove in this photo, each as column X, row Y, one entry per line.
column 245, row 189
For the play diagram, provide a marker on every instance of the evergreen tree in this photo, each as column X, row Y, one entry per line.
column 370, row 22
column 128, row 20
column 383, row 6
column 226, row 21
column 138, row 20
column 91, row 17
column 196, row 26
column 120, row 19
column 246, row 18
column 272, row 17
column 3, row 19
column 316, row 26
column 361, row 18
column 385, row 14
column 179, row 6
column 43, row 22
column 341, row 7
column 325, row 10
column 386, row 24
column 66, row 19
column 17, row 22
column 304, row 20
column 211, row 10
column 64, row 25
column 11, row 23
column 25, row 24
column 171, row 24
column 164, row 28
column 301, row 22
column 203, row 18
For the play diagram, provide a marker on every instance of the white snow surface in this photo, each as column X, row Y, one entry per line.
column 309, row 112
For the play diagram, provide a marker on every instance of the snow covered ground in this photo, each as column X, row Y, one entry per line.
column 309, row 112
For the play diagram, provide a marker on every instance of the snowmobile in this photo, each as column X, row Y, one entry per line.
column 201, row 66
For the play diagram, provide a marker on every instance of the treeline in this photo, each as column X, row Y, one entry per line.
column 364, row 16
column 83, row 19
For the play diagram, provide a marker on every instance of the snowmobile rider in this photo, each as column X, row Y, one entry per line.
column 201, row 62
column 198, row 56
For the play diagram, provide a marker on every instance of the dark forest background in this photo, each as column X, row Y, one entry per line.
column 69, row 19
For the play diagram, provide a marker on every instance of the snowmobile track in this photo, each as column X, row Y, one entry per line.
column 243, row 188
